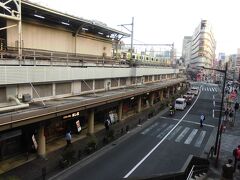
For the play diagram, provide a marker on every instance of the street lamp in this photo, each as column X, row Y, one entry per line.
column 219, row 131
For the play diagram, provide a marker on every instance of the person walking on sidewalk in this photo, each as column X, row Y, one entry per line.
column 202, row 118
column 227, row 170
column 68, row 138
column 236, row 154
column 231, row 115
column 226, row 114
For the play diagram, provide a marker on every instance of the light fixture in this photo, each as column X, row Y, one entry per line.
column 132, row 98
column 100, row 33
column 39, row 16
column 64, row 23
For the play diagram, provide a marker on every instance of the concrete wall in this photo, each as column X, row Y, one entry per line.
column 36, row 74
column 46, row 38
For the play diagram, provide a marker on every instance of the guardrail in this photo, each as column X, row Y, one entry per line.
column 36, row 57
column 193, row 166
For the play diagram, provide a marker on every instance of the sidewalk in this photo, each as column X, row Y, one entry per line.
column 230, row 140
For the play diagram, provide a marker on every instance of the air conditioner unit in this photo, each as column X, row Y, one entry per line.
column 26, row 97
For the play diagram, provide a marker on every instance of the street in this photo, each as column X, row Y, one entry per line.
column 161, row 147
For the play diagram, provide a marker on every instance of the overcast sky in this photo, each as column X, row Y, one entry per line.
column 162, row 21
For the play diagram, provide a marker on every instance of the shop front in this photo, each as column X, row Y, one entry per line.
column 57, row 127
column 18, row 141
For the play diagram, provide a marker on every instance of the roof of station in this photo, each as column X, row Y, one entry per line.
column 35, row 12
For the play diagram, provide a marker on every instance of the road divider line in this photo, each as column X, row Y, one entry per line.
column 213, row 113
column 209, row 125
column 214, row 103
column 160, row 142
column 213, row 97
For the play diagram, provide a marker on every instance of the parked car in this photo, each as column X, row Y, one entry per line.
column 195, row 90
column 188, row 99
column 191, row 94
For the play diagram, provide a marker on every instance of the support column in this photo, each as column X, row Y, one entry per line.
column 41, row 142
column 161, row 95
column 168, row 93
column 120, row 106
column 91, row 122
column 139, row 107
column 173, row 89
column 151, row 99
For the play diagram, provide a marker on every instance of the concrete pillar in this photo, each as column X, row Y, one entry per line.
column 139, row 103
column 91, row 122
column 41, row 142
column 161, row 95
column 168, row 93
column 151, row 99
column 120, row 106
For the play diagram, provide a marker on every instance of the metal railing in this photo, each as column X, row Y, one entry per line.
column 44, row 57
column 193, row 166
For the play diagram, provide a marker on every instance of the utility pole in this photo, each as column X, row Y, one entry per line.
column 131, row 31
column 132, row 37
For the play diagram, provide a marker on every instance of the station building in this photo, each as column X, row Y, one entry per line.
column 57, row 73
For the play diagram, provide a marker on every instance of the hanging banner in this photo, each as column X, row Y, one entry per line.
column 79, row 128
column 34, row 141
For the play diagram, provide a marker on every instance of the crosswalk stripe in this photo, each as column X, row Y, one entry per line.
column 184, row 132
column 210, row 89
column 200, row 139
column 191, row 136
column 150, row 128
column 159, row 129
column 174, row 133
column 163, row 133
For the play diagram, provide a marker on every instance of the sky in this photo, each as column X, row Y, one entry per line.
column 161, row 21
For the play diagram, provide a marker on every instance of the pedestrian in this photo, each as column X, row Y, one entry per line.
column 227, row 170
column 107, row 124
column 230, row 115
column 226, row 114
column 236, row 154
column 68, row 138
column 202, row 118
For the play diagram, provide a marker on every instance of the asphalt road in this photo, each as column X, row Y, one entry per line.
column 162, row 146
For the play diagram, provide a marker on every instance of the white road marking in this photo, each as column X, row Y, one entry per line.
column 183, row 133
column 174, row 133
column 213, row 113
column 200, row 139
column 213, row 97
column 192, row 122
column 160, row 142
column 159, row 129
column 191, row 136
column 170, row 118
column 214, row 103
column 165, row 131
column 149, row 128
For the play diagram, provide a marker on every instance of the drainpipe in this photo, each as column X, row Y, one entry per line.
column 14, row 107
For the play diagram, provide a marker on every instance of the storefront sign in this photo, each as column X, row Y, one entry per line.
column 34, row 142
column 71, row 115
column 78, row 126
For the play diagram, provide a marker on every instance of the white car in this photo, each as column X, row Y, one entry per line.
column 194, row 90
column 191, row 94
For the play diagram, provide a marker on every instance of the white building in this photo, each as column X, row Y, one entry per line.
column 203, row 46
column 186, row 49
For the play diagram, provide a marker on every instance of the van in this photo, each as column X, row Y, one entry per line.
column 180, row 103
